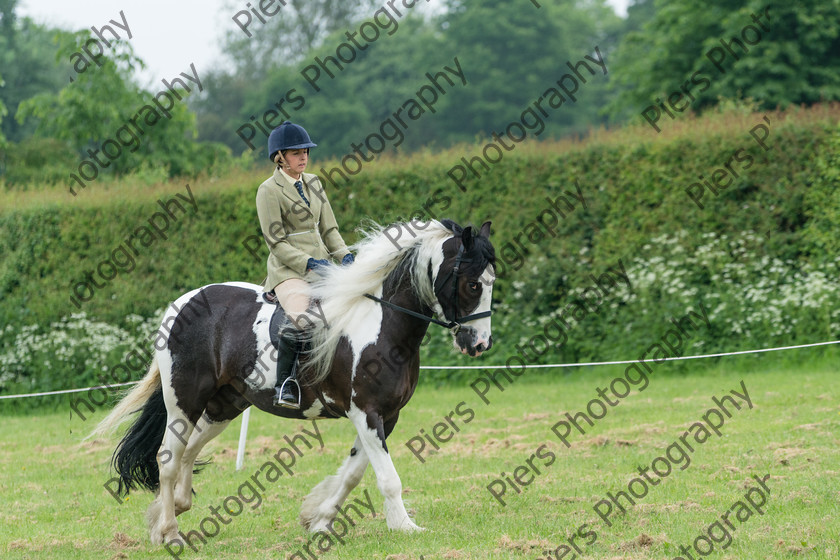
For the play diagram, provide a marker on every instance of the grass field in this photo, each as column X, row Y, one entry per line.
column 55, row 505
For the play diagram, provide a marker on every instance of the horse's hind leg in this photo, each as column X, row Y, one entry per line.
column 205, row 430
column 321, row 505
column 161, row 513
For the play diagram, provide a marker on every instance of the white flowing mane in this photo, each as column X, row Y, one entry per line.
column 341, row 289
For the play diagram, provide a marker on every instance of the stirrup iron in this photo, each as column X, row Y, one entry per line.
column 284, row 404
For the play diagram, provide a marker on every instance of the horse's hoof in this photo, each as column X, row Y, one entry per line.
column 409, row 526
column 165, row 535
column 320, row 525
column 172, row 538
column 158, row 538
column 173, row 544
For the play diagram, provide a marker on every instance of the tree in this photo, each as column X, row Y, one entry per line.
column 29, row 67
column 259, row 50
column 792, row 59
column 3, row 113
column 85, row 112
column 375, row 85
column 219, row 108
column 510, row 53
column 514, row 51
column 286, row 37
column 7, row 15
column 98, row 106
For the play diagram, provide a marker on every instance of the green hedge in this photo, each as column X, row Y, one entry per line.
column 761, row 256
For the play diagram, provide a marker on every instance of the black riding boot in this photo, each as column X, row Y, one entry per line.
column 287, row 390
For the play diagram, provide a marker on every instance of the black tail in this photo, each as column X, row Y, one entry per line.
column 135, row 458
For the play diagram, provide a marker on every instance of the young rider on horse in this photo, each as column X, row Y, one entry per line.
column 301, row 232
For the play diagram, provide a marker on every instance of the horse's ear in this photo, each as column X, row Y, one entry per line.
column 485, row 230
column 467, row 238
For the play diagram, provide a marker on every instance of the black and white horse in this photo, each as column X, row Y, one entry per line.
column 213, row 358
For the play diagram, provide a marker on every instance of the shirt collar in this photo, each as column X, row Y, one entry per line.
column 289, row 178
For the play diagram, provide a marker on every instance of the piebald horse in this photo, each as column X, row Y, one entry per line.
column 213, row 358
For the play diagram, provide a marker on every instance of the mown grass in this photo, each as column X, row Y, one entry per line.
column 56, row 506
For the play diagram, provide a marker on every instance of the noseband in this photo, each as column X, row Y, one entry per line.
column 453, row 324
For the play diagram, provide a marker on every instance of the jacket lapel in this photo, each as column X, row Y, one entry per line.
column 290, row 192
column 286, row 187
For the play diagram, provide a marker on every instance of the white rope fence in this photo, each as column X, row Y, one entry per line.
column 618, row 362
column 66, row 391
column 527, row 366
column 243, row 432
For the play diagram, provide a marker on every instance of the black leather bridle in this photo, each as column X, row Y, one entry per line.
column 453, row 324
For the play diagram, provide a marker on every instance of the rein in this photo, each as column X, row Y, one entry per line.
column 455, row 324
column 450, row 325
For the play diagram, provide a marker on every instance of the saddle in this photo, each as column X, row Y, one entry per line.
column 276, row 318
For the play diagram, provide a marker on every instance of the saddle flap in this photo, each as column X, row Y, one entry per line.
column 274, row 326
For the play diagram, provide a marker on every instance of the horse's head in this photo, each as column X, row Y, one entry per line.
column 464, row 286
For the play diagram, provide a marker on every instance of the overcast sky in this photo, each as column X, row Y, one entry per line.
column 167, row 35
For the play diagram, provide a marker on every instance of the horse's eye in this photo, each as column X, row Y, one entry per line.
column 473, row 286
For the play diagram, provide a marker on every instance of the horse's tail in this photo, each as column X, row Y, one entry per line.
column 135, row 458
column 131, row 403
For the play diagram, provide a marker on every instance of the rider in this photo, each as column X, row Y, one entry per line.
column 301, row 232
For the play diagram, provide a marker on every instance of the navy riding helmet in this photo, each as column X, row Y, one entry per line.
column 288, row 136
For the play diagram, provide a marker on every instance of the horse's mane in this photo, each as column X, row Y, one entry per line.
column 340, row 290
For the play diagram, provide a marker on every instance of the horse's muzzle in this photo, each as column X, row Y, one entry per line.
column 470, row 343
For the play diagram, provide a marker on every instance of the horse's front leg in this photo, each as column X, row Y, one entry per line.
column 372, row 433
